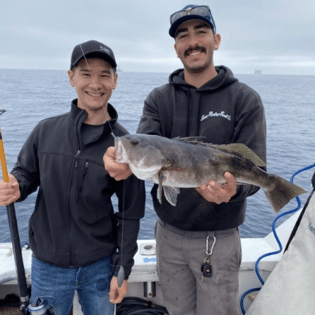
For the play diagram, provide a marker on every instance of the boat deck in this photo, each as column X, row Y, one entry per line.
column 144, row 282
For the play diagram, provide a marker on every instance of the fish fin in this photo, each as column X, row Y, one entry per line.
column 159, row 191
column 170, row 194
column 191, row 140
column 238, row 149
column 281, row 192
column 243, row 151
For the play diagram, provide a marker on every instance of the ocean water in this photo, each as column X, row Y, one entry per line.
column 32, row 95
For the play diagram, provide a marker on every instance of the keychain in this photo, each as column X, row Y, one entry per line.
column 206, row 267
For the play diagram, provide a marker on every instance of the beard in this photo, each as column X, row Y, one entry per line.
column 198, row 67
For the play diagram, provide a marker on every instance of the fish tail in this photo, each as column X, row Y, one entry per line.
column 281, row 192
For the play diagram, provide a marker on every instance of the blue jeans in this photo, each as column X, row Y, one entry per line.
column 57, row 285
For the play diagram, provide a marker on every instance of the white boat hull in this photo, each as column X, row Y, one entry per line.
column 144, row 282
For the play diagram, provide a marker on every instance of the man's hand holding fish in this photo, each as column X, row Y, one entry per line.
column 119, row 171
column 213, row 192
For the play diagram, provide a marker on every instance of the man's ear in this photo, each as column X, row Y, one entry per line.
column 175, row 47
column 217, row 41
column 71, row 79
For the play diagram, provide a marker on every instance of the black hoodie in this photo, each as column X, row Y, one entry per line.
column 222, row 111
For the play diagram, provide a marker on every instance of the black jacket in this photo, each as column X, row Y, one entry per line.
column 74, row 222
column 222, row 111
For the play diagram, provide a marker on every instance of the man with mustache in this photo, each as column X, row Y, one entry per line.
column 198, row 243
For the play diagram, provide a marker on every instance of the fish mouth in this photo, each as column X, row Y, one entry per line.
column 119, row 149
column 121, row 153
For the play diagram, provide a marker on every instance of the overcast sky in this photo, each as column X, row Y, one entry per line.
column 277, row 36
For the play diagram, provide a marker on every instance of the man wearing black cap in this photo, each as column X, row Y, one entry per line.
column 78, row 242
column 198, row 243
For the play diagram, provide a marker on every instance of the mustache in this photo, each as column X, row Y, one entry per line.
column 197, row 47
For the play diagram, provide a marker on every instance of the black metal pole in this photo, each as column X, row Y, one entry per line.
column 17, row 251
column 19, row 265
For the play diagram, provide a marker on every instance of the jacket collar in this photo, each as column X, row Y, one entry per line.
column 78, row 115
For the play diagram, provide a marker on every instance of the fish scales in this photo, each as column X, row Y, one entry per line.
column 183, row 167
column 188, row 163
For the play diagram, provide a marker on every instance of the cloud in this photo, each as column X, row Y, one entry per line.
column 274, row 34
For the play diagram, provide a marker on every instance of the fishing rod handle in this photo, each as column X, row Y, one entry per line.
column 3, row 160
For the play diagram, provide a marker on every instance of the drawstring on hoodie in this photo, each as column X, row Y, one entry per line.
column 194, row 114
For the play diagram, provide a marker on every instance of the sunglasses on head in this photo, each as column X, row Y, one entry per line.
column 202, row 10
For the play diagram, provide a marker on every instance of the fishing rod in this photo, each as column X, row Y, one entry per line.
column 39, row 306
column 19, row 266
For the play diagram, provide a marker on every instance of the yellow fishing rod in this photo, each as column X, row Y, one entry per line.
column 19, row 266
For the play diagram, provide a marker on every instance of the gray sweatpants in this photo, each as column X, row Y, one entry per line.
column 180, row 255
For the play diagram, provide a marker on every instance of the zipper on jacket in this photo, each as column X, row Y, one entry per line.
column 86, row 166
column 77, row 158
column 73, row 176
column 81, row 180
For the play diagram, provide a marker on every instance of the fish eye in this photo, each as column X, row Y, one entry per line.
column 134, row 142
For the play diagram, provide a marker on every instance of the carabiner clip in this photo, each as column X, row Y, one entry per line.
column 207, row 245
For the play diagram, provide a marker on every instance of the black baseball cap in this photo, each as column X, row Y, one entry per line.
column 191, row 12
column 93, row 49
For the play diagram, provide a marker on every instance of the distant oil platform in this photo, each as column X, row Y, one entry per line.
column 258, row 71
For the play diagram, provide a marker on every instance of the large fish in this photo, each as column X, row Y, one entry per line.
column 188, row 163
